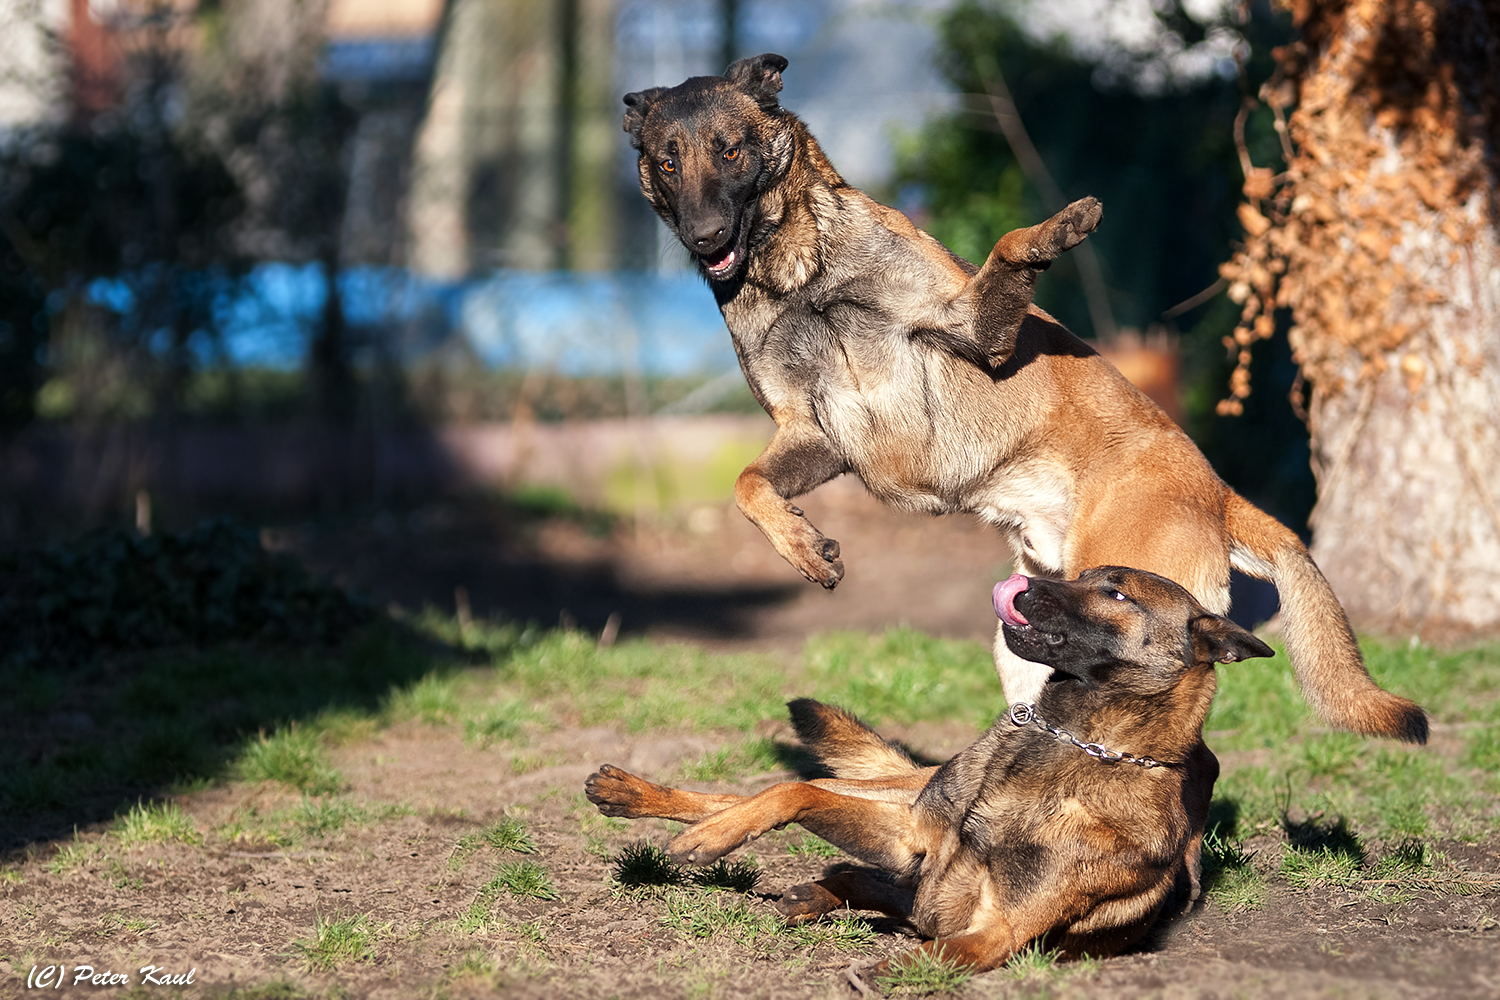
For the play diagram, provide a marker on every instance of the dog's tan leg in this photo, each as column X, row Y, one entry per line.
column 620, row 793
column 979, row 950
column 1001, row 292
column 797, row 460
column 877, row 831
column 856, row 890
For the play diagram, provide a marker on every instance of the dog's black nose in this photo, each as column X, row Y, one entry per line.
column 706, row 241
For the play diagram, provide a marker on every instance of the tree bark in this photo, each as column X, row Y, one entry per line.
column 1380, row 240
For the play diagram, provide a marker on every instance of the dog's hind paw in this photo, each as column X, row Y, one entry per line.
column 707, row 841
column 617, row 792
column 803, row 904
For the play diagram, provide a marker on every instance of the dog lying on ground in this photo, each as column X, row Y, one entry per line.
column 1071, row 820
column 880, row 353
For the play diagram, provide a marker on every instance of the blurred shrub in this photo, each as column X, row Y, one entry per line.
column 114, row 591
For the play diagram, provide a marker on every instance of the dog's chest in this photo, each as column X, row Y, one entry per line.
column 842, row 354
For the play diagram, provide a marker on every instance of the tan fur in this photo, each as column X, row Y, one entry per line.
column 879, row 353
column 1019, row 837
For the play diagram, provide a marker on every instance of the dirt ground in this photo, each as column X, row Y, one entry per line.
column 233, row 912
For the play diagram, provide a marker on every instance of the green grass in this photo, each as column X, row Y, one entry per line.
column 1032, row 960
column 702, row 916
column 921, row 973
column 156, row 823
column 521, row 879
column 643, row 865
column 524, row 880
column 843, row 930
column 434, row 699
column 903, row 676
column 1383, row 789
column 338, row 941
column 72, row 856
column 755, row 755
column 812, row 847
column 1321, row 855
column 507, row 834
column 1229, row 877
column 736, row 876
column 293, row 757
column 499, row 722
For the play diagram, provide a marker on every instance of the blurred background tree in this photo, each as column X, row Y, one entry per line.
column 1378, row 239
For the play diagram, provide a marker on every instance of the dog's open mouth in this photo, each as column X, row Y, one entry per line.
column 722, row 263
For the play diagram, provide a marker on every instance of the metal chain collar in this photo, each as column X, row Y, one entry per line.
column 1022, row 714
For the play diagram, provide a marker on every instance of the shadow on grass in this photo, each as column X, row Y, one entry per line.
column 137, row 666
column 133, row 667
column 91, row 737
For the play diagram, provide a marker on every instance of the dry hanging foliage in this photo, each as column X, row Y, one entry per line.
column 1385, row 143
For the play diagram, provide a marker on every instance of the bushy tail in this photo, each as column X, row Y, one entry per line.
column 844, row 745
column 1318, row 637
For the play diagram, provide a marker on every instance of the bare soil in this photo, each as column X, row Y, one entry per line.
column 232, row 912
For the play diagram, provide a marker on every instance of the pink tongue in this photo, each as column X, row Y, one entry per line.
column 1005, row 599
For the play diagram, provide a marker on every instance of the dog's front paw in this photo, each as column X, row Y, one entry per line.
column 815, row 555
column 803, row 904
column 617, row 792
column 1037, row 246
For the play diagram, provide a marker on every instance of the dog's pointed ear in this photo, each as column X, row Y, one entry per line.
column 1219, row 640
column 637, row 107
column 760, row 77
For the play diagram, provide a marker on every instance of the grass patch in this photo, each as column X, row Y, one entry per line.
column 508, row 834
column 120, row 921
column 72, row 856
column 1412, row 868
column 843, row 930
column 1033, row 960
column 435, row 699
column 322, row 817
column 699, row 915
column 497, row 723
column 293, row 757
column 640, row 685
column 156, row 823
column 739, row 876
column 903, row 676
column 521, row 879
column 642, row 865
column 1228, row 876
column 524, row 880
column 812, row 847
column 1321, row 855
column 752, row 756
column 338, row 941
column 921, row 973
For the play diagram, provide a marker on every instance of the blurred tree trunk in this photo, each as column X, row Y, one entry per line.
column 1381, row 241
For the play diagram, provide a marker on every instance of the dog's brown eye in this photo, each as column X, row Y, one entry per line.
column 731, row 154
column 1119, row 596
column 669, row 166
